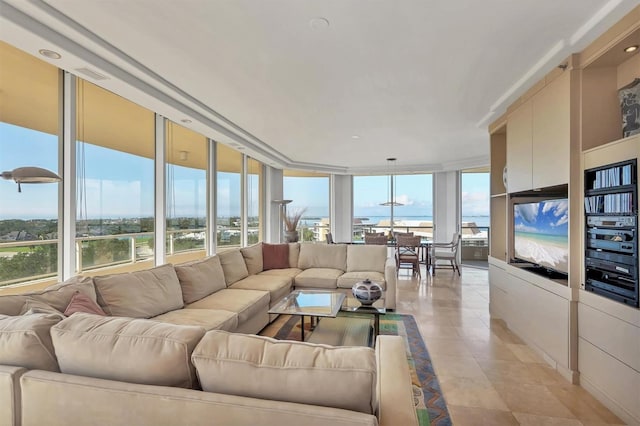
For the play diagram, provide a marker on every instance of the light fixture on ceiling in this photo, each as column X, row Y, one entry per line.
column 632, row 48
column 30, row 175
column 185, row 120
column 391, row 200
column 355, row 137
column 49, row 54
column 391, row 189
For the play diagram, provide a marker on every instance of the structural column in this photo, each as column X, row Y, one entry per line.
column 273, row 191
column 446, row 205
column 341, row 207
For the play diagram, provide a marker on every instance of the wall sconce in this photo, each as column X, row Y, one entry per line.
column 31, row 175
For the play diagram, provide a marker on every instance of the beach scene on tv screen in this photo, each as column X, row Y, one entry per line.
column 541, row 233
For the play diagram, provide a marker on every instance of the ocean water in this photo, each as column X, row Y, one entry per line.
column 482, row 221
column 479, row 220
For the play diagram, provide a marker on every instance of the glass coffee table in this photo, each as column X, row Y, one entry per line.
column 325, row 303
column 311, row 303
column 352, row 306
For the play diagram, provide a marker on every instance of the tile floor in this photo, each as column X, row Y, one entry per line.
column 487, row 374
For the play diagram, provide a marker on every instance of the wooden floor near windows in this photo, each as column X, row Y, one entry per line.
column 487, row 374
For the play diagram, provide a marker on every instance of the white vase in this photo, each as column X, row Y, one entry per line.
column 367, row 292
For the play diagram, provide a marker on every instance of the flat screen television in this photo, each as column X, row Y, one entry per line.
column 541, row 234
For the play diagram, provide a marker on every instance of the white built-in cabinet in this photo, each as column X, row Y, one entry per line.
column 538, row 138
column 568, row 122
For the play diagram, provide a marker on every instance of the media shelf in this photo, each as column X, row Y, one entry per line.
column 611, row 232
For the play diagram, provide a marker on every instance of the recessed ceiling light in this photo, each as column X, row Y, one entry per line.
column 631, row 48
column 355, row 137
column 50, row 54
column 319, row 23
column 185, row 120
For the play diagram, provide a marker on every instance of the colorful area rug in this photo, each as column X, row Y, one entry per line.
column 430, row 405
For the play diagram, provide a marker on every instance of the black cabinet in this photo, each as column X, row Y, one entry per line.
column 611, row 234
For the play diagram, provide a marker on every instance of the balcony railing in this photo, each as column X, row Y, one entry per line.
column 37, row 259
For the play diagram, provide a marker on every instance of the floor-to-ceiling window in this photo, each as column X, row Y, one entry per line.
column 310, row 195
column 412, row 207
column 229, row 196
column 475, row 214
column 255, row 203
column 29, row 98
column 186, row 180
column 115, row 179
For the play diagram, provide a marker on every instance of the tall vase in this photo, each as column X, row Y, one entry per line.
column 291, row 236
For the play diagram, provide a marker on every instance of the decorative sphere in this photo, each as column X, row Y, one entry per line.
column 367, row 292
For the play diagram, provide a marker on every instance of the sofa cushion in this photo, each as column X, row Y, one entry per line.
column 332, row 256
column 246, row 303
column 348, row 279
column 253, row 258
column 287, row 272
column 82, row 303
column 277, row 286
column 57, row 296
column 275, row 256
column 34, row 306
column 140, row 294
column 318, row 278
column 209, row 319
column 294, row 254
column 25, row 341
column 130, row 350
column 364, row 258
column 265, row 368
column 233, row 266
column 200, row 278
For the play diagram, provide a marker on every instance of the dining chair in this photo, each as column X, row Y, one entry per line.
column 402, row 234
column 447, row 252
column 380, row 240
column 407, row 254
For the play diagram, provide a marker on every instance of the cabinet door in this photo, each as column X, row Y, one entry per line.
column 519, row 166
column 551, row 134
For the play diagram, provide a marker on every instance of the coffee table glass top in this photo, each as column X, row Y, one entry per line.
column 315, row 303
column 352, row 304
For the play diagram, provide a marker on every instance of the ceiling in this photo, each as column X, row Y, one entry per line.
column 329, row 86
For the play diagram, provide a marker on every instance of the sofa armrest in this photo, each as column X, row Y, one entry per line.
column 395, row 389
column 391, row 277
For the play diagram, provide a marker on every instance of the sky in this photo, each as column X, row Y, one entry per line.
column 120, row 185
column 544, row 217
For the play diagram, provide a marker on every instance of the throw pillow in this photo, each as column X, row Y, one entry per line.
column 82, row 303
column 275, row 256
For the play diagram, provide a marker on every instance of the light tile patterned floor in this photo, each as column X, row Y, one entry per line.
column 487, row 374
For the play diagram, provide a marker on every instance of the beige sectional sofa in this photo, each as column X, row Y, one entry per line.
column 163, row 353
